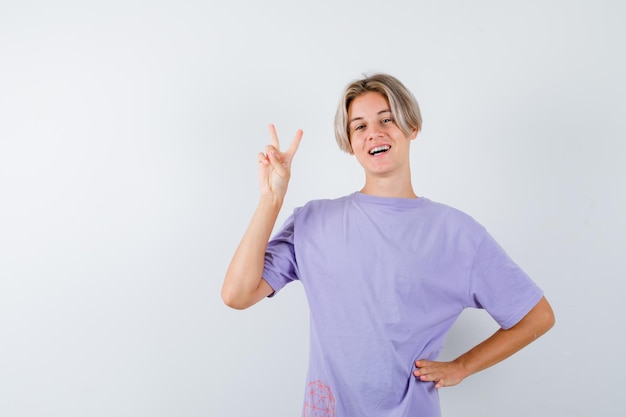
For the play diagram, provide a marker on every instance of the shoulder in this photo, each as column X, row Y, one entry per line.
column 315, row 211
column 452, row 218
column 447, row 210
column 324, row 204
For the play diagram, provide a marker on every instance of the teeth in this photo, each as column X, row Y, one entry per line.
column 379, row 149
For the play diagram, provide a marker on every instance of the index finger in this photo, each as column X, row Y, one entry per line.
column 295, row 142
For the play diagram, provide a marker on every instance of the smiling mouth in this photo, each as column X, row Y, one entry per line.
column 379, row 149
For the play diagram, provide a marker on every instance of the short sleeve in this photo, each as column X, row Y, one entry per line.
column 500, row 286
column 280, row 261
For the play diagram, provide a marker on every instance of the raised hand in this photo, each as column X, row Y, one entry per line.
column 275, row 166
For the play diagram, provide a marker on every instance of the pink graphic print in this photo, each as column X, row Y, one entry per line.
column 319, row 401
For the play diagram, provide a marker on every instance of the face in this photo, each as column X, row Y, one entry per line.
column 377, row 142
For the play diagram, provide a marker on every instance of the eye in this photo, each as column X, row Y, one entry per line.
column 386, row 120
column 358, row 127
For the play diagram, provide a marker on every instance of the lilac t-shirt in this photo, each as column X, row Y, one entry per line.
column 385, row 279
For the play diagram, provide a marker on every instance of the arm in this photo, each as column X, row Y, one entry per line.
column 244, row 284
column 501, row 345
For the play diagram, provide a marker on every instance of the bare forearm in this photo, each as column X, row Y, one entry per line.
column 498, row 347
column 243, row 281
column 504, row 343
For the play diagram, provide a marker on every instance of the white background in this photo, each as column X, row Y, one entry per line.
column 128, row 140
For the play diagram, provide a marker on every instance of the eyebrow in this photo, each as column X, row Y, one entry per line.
column 361, row 118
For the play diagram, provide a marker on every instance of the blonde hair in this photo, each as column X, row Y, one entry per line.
column 404, row 108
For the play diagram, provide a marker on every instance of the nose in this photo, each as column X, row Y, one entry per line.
column 374, row 132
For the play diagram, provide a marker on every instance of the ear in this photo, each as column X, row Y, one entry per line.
column 414, row 133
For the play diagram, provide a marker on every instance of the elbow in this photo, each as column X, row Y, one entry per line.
column 232, row 301
column 546, row 316
column 241, row 295
column 550, row 320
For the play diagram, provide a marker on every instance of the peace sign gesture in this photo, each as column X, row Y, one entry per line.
column 275, row 166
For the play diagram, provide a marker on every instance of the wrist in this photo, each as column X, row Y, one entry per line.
column 463, row 366
column 271, row 200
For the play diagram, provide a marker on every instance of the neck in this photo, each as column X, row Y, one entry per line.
column 389, row 187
